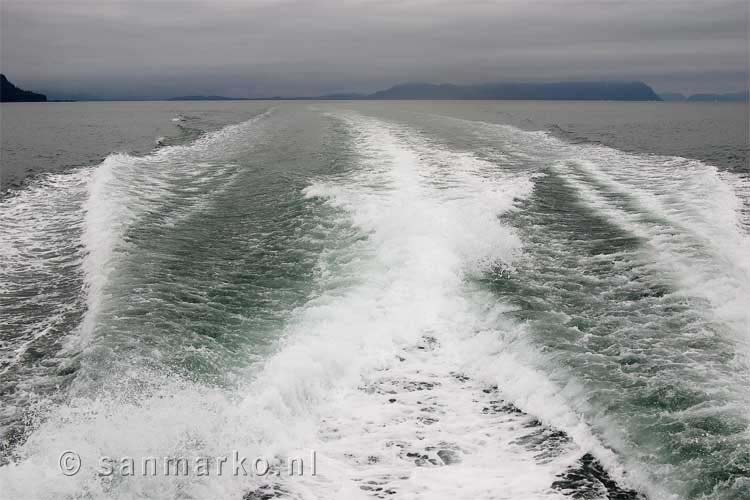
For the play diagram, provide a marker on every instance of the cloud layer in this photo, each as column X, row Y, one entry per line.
column 270, row 47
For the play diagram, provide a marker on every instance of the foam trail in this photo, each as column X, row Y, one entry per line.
column 395, row 317
column 698, row 235
column 40, row 299
column 402, row 370
column 433, row 219
column 123, row 187
column 67, row 231
column 40, row 227
column 697, row 219
column 668, row 282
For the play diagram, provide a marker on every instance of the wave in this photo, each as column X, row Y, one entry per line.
column 406, row 370
column 395, row 314
column 645, row 259
column 64, row 237
column 705, row 208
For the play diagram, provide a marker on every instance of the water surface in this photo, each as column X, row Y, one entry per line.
column 444, row 300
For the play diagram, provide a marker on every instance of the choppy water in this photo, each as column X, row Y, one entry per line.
column 439, row 305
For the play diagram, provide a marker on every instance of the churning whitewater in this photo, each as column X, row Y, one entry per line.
column 431, row 307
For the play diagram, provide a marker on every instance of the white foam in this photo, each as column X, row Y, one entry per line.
column 429, row 220
column 698, row 235
column 430, row 216
column 63, row 225
column 40, row 226
column 125, row 186
column 693, row 216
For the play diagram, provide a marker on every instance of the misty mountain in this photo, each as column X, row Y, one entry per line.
column 11, row 93
column 572, row 91
column 576, row 91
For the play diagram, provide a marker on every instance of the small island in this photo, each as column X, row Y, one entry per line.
column 11, row 93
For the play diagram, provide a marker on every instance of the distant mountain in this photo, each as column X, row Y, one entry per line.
column 11, row 93
column 205, row 98
column 733, row 97
column 578, row 91
column 572, row 91
column 672, row 96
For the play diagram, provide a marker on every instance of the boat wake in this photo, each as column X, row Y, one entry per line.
column 448, row 345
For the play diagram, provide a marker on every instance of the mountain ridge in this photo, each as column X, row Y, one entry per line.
column 569, row 91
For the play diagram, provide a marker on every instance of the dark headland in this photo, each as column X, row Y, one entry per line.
column 11, row 93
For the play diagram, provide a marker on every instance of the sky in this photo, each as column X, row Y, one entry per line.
column 257, row 48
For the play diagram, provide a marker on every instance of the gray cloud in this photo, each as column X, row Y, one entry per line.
column 269, row 47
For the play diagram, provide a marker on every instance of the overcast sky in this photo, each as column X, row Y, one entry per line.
column 249, row 48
